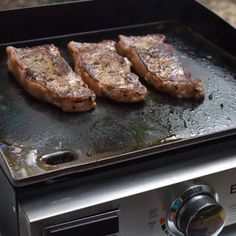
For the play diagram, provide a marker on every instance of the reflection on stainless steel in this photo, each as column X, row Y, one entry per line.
column 208, row 222
column 196, row 211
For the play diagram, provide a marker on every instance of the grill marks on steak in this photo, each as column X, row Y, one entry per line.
column 105, row 72
column 159, row 64
column 46, row 75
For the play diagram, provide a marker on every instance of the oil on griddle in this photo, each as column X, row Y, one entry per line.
column 114, row 128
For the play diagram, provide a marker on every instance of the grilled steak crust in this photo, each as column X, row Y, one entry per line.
column 158, row 63
column 46, row 75
column 105, row 72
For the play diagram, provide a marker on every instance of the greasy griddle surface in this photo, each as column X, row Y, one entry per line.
column 114, row 128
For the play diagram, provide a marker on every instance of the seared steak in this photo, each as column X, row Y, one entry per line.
column 158, row 63
column 105, row 72
column 46, row 75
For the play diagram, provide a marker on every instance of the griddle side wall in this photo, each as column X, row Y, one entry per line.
column 84, row 16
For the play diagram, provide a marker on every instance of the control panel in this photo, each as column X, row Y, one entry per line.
column 196, row 211
column 191, row 198
column 199, row 207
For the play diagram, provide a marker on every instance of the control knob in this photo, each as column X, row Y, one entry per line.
column 196, row 212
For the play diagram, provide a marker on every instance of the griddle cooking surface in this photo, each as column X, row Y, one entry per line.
column 112, row 128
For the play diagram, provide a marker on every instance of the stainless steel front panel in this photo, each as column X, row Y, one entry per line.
column 149, row 210
column 142, row 198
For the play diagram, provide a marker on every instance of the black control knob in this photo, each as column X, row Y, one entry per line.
column 196, row 212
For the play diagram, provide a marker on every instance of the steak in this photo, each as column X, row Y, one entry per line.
column 105, row 72
column 45, row 75
column 158, row 63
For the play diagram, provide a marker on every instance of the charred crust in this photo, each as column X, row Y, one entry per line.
column 46, row 75
column 163, row 68
column 30, row 75
column 105, row 71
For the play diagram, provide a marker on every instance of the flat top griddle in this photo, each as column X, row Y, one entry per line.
column 114, row 132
